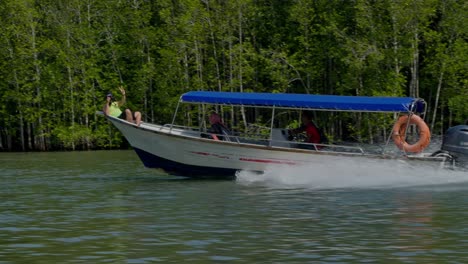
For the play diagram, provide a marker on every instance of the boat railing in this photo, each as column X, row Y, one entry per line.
column 261, row 139
column 169, row 126
column 318, row 146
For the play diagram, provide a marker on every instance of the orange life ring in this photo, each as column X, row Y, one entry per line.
column 399, row 132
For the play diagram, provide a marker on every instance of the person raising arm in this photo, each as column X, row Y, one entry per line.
column 112, row 108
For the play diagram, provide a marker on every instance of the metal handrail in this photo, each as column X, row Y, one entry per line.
column 170, row 126
column 319, row 145
column 270, row 142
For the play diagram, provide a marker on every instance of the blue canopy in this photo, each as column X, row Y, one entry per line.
column 309, row 101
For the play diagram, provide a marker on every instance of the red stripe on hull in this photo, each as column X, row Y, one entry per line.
column 268, row 161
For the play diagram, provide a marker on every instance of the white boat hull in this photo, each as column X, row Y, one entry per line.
column 184, row 153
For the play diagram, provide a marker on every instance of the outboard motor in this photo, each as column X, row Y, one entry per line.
column 455, row 145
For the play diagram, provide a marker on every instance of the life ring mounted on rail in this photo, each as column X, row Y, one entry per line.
column 399, row 133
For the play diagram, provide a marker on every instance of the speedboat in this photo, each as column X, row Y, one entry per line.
column 184, row 151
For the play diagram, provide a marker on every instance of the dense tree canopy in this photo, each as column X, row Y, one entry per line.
column 59, row 58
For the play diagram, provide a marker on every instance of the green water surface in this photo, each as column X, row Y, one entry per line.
column 105, row 207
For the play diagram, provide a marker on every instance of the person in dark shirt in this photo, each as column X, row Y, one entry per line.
column 218, row 130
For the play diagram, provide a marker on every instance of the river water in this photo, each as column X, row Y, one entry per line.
column 105, row 207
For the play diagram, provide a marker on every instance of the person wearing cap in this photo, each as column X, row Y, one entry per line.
column 112, row 108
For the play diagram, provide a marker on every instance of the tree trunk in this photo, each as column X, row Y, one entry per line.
column 21, row 123
column 451, row 118
column 395, row 54
column 442, row 120
column 186, row 70
column 150, row 88
column 358, row 126
column 37, row 78
column 231, row 77
column 369, row 129
column 30, row 144
column 110, row 137
column 20, row 110
column 199, row 62
column 241, row 85
column 9, row 142
column 1, row 138
column 436, row 104
column 414, row 85
column 88, row 140
column 70, row 83
column 215, row 52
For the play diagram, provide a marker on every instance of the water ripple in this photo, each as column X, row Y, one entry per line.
column 55, row 210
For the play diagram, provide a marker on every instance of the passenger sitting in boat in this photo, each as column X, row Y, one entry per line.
column 217, row 129
column 112, row 108
column 311, row 130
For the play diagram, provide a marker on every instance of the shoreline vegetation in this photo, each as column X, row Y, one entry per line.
column 60, row 58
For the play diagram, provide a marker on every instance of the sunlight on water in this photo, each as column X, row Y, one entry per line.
column 354, row 173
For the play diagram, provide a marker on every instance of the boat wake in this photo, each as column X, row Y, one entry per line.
column 354, row 173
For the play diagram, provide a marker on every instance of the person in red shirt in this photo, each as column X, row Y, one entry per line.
column 312, row 132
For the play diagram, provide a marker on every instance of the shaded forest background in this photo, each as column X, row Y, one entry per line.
column 60, row 57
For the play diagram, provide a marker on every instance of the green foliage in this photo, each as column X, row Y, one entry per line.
column 71, row 136
column 59, row 58
column 459, row 107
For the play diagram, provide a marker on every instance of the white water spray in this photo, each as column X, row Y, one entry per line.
column 354, row 173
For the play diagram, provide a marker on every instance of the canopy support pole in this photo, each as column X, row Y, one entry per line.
column 174, row 117
column 202, row 126
column 395, row 118
column 271, row 125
